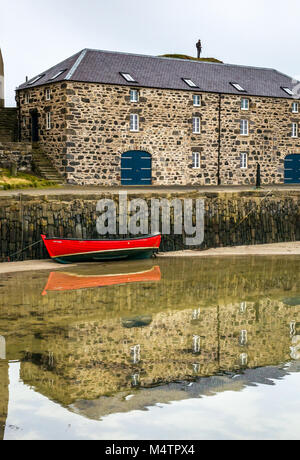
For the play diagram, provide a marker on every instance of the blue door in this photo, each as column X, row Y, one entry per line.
column 136, row 167
column 292, row 169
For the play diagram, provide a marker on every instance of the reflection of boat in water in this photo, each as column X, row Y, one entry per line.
column 66, row 250
column 64, row 281
column 292, row 301
column 137, row 321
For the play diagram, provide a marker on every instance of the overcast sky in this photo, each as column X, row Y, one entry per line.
column 37, row 34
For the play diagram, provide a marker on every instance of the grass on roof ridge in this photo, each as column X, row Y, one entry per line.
column 190, row 58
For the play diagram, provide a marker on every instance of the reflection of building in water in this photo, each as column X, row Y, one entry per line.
column 243, row 337
column 196, row 314
column 196, row 343
column 135, row 380
column 93, row 334
column 136, row 354
column 244, row 359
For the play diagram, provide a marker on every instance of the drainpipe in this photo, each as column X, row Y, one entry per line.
column 219, row 141
column 19, row 116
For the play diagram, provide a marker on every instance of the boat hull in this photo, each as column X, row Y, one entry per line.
column 68, row 251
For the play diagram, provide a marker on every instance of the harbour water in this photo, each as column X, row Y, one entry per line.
column 185, row 348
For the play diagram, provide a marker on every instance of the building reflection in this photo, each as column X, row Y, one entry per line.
column 91, row 343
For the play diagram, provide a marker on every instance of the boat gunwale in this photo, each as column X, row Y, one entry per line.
column 147, row 237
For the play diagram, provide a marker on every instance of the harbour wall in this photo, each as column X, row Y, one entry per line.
column 236, row 218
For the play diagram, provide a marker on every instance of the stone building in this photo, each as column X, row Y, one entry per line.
column 108, row 118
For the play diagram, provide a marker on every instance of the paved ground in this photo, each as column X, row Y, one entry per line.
column 84, row 190
column 280, row 249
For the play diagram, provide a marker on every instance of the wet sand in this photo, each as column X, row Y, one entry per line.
column 276, row 249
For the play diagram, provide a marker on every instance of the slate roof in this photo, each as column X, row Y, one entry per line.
column 166, row 73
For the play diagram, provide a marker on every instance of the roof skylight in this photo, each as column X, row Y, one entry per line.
column 288, row 91
column 190, row 83
column 31, row 82
column 58, row 74
column 238, row 87
column 128, row 77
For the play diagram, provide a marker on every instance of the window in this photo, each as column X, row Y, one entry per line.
column 134, row 95
column 48, row 94
column 24, row 122
column 134, row 122
column 245, row 104
column 127, row 77
column 58, row 74
column 48, row 120
column 189, row 82
column 196, row 125
column 294, row 129
column 295, row 107
column 244, row 128
column 288, row 91
column 197, row 100
column 238, row 87
column 244, row 160
column 27, row 97
column 196, row 160
column 31, row 82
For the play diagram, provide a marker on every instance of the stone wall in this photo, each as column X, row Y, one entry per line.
column 230, row 219
column 8, row 124
column 91, row 130
column 19, row 153
column 268, row 143
column 53, row 141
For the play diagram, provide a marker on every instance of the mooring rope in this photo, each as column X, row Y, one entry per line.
column 24, row 249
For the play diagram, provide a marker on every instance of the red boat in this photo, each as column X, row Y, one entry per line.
column 59, row 281
column 67, row 251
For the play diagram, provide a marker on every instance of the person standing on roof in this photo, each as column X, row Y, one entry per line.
column 199, row 48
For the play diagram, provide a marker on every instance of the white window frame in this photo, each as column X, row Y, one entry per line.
column 295, row 130
column 197, row 97
column 244, row 160
column 134, row 122
column 244, row 127
column 48, row 94
column 132, row 97
column 48, row 121
column 295, row 107
column 196, row 125
column 245, row 104
column 27, row 97
column 196, row 160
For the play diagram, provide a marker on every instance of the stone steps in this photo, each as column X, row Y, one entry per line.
column 44, row 167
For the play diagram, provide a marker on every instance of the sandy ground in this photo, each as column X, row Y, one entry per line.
column 279, row 249
column 31, row 265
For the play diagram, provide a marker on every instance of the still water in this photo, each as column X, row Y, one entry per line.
column 164, row 349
